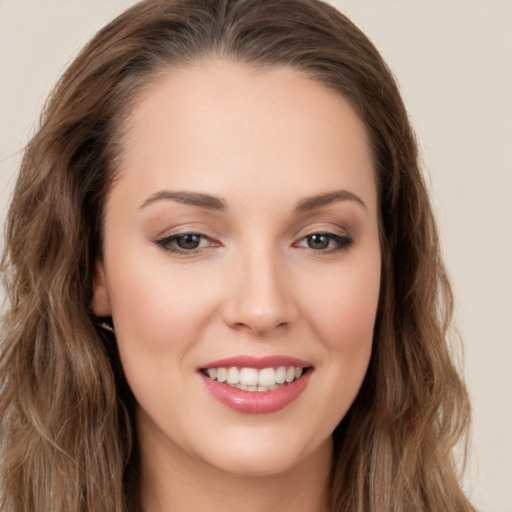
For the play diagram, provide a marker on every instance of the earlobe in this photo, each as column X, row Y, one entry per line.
column 100, row 304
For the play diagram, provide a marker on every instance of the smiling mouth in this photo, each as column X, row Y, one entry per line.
column 252, row 379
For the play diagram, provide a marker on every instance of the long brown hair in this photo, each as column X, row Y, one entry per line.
column 66, row 424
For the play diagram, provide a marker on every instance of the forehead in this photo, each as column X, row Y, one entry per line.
column 220, row 122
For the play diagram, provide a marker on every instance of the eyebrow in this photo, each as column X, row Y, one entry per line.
column 191, row 198
column 214, row 203
column 326, row 199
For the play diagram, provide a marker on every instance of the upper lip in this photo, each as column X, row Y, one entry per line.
column 245, row 361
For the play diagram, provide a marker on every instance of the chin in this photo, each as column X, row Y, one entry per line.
column 256, row 463
column 265, row 454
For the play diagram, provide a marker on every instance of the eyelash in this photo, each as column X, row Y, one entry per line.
column 169, row 243
column 343, row 242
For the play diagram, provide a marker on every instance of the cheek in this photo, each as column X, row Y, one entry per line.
column 343, row 309
column 159, row 308
column 340, row 312
column 160, row 313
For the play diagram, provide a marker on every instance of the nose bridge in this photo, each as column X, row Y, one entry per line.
column 259, row 298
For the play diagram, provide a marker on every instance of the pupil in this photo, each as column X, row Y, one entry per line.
column 189, row 241
column 318, row 241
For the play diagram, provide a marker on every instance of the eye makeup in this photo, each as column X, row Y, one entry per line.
column 192, row 243
column 187, row 243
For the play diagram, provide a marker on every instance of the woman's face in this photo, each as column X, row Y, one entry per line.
column 241, row 243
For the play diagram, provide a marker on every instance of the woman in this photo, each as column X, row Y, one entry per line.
column 224, row 277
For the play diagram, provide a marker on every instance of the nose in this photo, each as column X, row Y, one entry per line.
column 259, row 295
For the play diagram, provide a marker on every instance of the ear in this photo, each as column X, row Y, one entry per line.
column 100, row 298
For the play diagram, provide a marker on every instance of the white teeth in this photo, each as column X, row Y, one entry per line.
column 267, row 377
column 249, row 376
column 233, row 376
column 281, row 375
column 222, row 374
column 251, row 379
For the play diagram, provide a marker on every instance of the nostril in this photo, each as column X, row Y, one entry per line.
column 259, row 298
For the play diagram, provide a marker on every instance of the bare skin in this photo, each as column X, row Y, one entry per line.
column 243, row 223
column 302, row 488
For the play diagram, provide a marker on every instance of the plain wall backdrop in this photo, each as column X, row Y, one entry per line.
column 453, row 60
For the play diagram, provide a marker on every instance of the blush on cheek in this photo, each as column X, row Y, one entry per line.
column 157, row 308
column 345, row 313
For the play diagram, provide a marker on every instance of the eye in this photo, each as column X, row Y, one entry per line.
column 325, row 242
column 185, row 243
column 189, row 241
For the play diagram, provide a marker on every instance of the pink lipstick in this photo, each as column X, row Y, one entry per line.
column 258, row 362
column 256, row 385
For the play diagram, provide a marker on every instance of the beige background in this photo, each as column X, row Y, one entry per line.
column 453, row 59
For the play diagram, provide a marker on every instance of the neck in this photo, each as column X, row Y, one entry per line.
column 174, row 481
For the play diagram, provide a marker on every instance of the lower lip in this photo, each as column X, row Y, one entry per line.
column 256, row 402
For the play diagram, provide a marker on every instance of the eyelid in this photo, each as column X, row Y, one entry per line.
column 165, row 242
column 184, row 228
column 342, row 241
column 338, row 235
column 322, row 228
column 335, row 233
